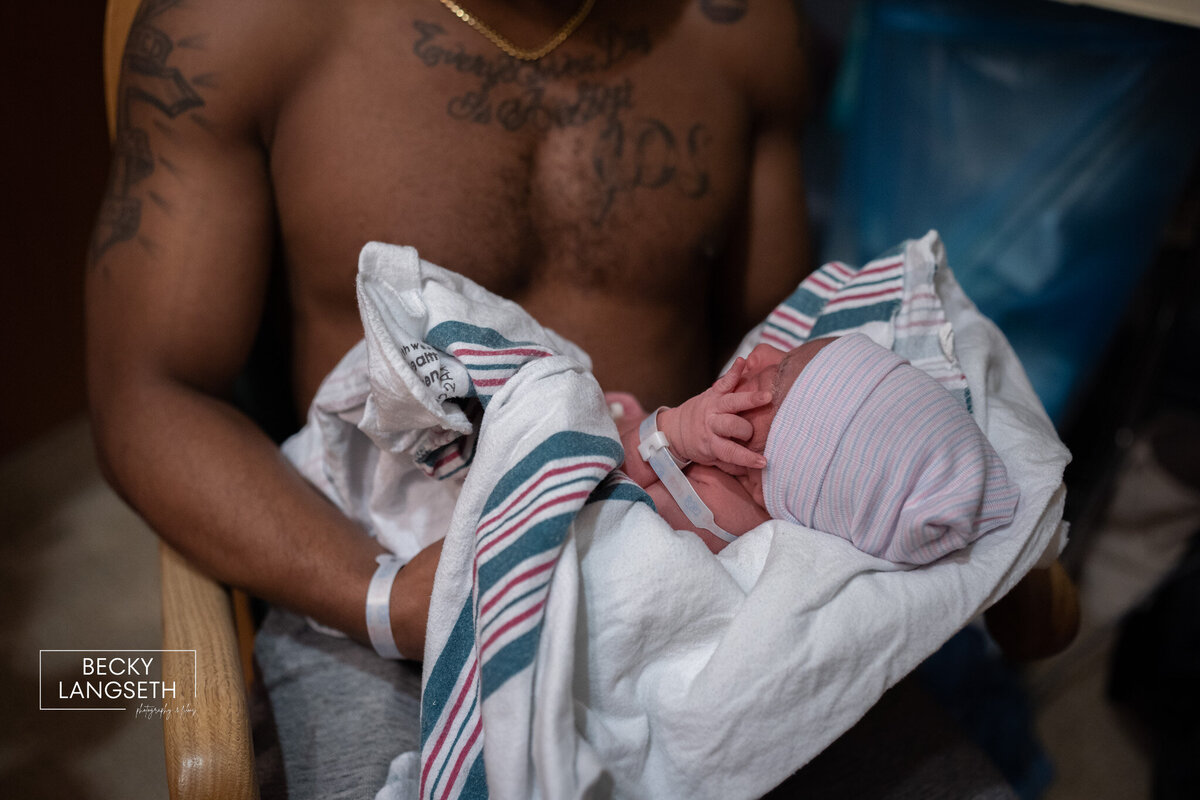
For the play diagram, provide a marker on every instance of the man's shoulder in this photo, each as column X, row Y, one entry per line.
column 765, row 47
column 238, row 56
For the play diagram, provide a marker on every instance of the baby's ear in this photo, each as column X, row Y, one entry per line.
column 728, row 381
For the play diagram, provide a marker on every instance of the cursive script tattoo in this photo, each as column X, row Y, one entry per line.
column 147, row 78
column 572, row 90
column 646, row 155
column 724, row 12
column 533, row 104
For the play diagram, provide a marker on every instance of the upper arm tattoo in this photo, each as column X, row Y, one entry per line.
column 147, row 77
column 724, row 12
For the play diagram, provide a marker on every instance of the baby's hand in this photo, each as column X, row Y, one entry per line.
column 707, row 429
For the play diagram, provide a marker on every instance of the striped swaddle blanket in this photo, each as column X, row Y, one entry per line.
column 891, row 299
column 535, row 469
column 472, row 389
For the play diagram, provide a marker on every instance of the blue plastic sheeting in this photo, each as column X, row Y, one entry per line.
column 1046, row 143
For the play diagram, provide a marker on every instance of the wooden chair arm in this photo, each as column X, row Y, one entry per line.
column 118, row 18
column 209, row 753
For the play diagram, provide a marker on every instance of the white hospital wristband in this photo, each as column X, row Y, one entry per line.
column 379, row 606
column 655, row 450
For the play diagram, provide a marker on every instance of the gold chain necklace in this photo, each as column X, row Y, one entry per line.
column 511, row 49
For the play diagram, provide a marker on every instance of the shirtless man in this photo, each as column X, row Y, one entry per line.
column 635, row 180
column 642, row 170
column 637, row 189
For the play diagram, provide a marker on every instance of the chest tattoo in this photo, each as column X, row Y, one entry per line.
column 630, row 150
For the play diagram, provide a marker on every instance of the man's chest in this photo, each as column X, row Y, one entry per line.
column 618, row 160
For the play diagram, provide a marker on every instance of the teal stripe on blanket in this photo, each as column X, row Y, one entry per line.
column 445, row 334
column 451, row 748
column 615, row 489
column 809, row 303
column 497, row 618
column 564, row 444
column 805, row 302
column 856, row 283
column 430, row 461
column 509, row 660
column 475, row 787
column 486, row 367
column 788, row 332
column 436, row 696
column 498, row 528
column 545, row 535
column 836, row 321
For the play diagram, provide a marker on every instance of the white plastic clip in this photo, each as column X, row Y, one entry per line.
column 655, row 451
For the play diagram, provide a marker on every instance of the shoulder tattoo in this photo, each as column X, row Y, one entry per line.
column 724, row 12
column 147, row 77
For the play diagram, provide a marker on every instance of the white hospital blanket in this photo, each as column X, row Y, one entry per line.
column 619, row 646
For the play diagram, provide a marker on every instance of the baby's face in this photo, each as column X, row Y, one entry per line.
column 771, row 369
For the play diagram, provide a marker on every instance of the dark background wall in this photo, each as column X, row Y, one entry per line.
column 55, row 152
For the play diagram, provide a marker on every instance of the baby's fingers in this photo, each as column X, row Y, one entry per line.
column 731, row 426
column 741, row 401
column 734, row 454
column 726, row 382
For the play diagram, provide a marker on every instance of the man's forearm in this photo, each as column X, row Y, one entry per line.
column 219, row 491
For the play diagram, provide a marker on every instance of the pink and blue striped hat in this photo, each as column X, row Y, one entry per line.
column 872, row 449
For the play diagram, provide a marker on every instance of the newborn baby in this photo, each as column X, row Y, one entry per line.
column 840, row 435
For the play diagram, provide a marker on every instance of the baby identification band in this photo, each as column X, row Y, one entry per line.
column 653, row 448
